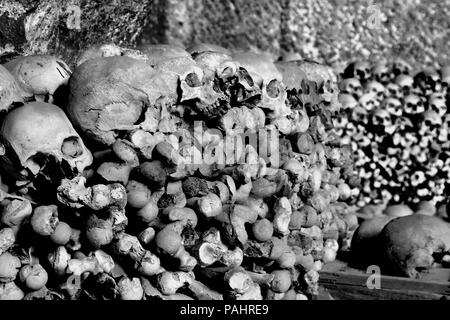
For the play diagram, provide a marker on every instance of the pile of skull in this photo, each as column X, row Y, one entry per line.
column 127, row 214
column 397, row 123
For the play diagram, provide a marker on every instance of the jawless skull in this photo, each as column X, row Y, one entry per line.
column 33, row 132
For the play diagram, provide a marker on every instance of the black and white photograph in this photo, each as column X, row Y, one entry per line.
column 228, row 155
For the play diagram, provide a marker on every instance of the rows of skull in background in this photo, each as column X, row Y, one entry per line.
column 397, row 122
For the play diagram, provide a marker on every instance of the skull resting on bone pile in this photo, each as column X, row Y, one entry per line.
column 228, row 76
column 33, row 133
column 413, row 243
column 200, row 84
column 360, row 70
column 326, row 80
column 112, row 96
column 266, row 75
column 9, row 90
column 39, row 76
column 108, row 50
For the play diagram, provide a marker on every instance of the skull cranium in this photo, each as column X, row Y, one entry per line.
column 109, row 96
column 438, row 105
column 360, row 70
column 393, row 106
column 369, row 101
column 377, row 88
column 413, row 105
column 406, row 83
column 36, row 130
column 352, row 86
column 39, row 76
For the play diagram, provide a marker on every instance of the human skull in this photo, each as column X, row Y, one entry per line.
column 322, row 79
column 381, row 119
column 360, row 115
column 39, row 76
column 377, row 88
column 347, row 101
column 200, row 89
column 369, row 101
column 227, row 75
column 428, row 81
column 438, row 105
column 351, row 86
column 381, row 72
column 36, row 130
column 393, row 106
column 431, row 123
column 393, row 90
column 413, row 105
column 110, row 97
column 406, row 83
column 413, row 243
column 400, row 66
column 9, row 90
column 360, row 70
column 266, row 75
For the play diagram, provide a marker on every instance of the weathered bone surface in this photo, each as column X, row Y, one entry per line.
column 37, row 130
column 39, row 76
column 109, row 96
column 412, row 244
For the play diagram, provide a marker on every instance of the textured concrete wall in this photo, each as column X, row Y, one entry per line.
column 327, row 30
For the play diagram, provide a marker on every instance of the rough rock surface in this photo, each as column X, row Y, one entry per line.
column 331, row 31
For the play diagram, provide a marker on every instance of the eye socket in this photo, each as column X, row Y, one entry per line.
column 193, row 80
column 72, row 147
column 274, row 89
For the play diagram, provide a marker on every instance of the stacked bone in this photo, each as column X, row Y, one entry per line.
column 398, row 124
column 159, row 209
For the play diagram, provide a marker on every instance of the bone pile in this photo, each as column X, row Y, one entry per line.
column 108, row 206
column 398, row 125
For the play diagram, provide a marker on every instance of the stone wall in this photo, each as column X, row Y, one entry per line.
column 330, row 31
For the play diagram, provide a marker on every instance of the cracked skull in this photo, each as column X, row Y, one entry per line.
column 33, row 132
